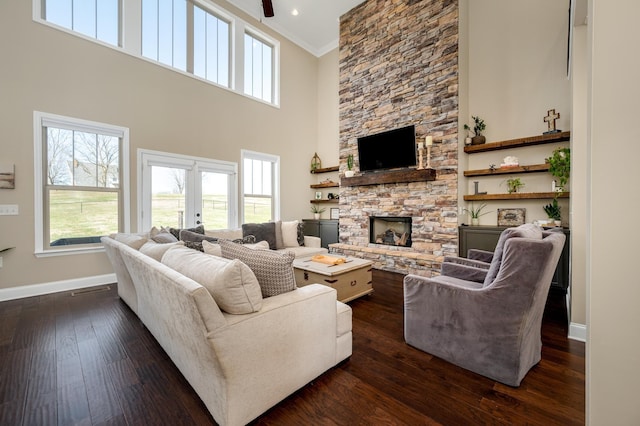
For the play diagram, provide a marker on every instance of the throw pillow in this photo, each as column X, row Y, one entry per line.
column 162, row 235
column 290, row 234
column 134, row 241
column 262, row 232
column 157, row 250
column 273, row 270
column 527, row 230
column 186, row 235
column 176, row 231
column 261, row 245
column 300, row 233
column 212, row 248
column 231, row 283
column 279, row 243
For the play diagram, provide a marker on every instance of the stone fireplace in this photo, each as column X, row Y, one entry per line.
column 391, row 231
column 391, row 79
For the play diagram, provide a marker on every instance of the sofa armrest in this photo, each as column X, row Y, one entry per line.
column 481, row 255
column 310, row 241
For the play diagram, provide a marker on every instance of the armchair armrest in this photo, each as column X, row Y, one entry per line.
column 467, row 262
column 481, row 255
column 310, row 241
column 464, row 272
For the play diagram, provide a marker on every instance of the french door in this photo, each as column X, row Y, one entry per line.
column 182, row 192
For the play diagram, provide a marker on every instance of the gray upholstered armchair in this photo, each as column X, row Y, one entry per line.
column 486, row 318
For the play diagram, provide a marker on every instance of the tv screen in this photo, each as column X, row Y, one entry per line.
column 388, row 150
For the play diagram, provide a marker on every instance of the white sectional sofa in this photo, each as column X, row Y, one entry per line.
column 239, row 364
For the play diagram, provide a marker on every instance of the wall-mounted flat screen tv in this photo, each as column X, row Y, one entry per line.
column 388, row 150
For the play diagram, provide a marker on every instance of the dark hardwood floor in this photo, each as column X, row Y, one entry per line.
column 87, row 360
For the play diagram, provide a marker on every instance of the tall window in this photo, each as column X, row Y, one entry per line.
column 81, row 182
column 210, row 47
column 258, row 68
column 164, row 32
column 97, row 19
column 261, row 179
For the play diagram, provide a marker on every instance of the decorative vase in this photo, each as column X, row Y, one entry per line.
column 316, row 216
column 557, row 223
column 478, row 140
column 349, row 173
column 475, row 221
column 467, row 140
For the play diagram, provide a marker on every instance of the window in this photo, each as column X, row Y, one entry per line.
column 181, row 191
column 81, row 182
column 261, row 181
column 258, row 68
column 98, row 19
column 164, row 32
column 193, row 37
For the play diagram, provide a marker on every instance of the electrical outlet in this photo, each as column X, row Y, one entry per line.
column 8, row 210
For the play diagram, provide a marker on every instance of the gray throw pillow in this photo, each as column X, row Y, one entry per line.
column 262, row 232
column 176, row 231
column 274, row 270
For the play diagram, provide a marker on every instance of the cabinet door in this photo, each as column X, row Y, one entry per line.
column 311, row 227
column 328, row 232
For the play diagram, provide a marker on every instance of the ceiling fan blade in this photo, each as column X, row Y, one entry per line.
column 267, row 7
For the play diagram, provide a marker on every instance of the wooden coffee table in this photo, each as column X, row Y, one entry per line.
column 351, row 279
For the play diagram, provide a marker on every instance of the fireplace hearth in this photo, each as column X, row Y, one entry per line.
column 391, row 231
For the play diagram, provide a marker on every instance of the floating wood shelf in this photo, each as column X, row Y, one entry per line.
column 516, row 143
column 326, row 170
column 323, row 201
column 533, row 168
column 393, row 176
column 515, row 196
column 325, row 185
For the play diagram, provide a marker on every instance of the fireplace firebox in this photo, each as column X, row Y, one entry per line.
column 390, row 230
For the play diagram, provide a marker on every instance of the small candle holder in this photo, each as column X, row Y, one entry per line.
column 428, row 156
column 420, row 159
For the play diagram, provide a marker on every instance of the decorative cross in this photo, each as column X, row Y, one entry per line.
column 550, row 119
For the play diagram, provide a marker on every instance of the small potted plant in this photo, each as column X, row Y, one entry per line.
column 560, row 166
column 349, row 172
column 478, row 127
column 514, row 184
column 475, row 213
column 553, row 212
column 316, row 210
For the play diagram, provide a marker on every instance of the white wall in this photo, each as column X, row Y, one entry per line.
column 613, row 347
column 48, row 70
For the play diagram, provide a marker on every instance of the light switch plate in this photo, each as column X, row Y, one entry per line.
column 8, row 209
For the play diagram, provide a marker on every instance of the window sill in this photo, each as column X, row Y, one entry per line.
column 68, row 252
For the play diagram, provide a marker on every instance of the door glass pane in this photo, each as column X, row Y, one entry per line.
column 81, row 217
column 215, row 200
column 167, row 197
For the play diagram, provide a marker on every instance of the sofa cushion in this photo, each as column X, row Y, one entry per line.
column 215, row 250
column 290, row 234
column 262, row 232
column 231, row 283
column 279, row 242
column 273, row 269
column 135, row 241
column 527, row 230
column 157, row 250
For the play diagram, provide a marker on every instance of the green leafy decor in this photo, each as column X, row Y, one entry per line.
column 560, row 165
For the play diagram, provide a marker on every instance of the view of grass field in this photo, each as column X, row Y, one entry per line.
column 76, row 214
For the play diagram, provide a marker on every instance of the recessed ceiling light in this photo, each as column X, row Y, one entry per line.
column 295, row 12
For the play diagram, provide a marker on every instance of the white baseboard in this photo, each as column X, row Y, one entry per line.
column 578, row 332
column 54, row 287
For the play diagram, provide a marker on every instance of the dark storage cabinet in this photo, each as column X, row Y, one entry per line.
column 486, row 238
column 327, row 230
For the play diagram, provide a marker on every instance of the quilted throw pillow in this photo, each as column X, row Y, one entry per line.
column 273, row 270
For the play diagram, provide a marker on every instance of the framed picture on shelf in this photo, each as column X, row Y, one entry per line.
column 511, row 217
column 334, row 213
column 318, row 195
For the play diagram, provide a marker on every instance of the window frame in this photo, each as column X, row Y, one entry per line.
column 130, row 42
column 43, row 120
column 257, row 35
column 275, row 161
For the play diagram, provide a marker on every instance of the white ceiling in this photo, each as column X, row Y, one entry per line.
column 316, row 28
